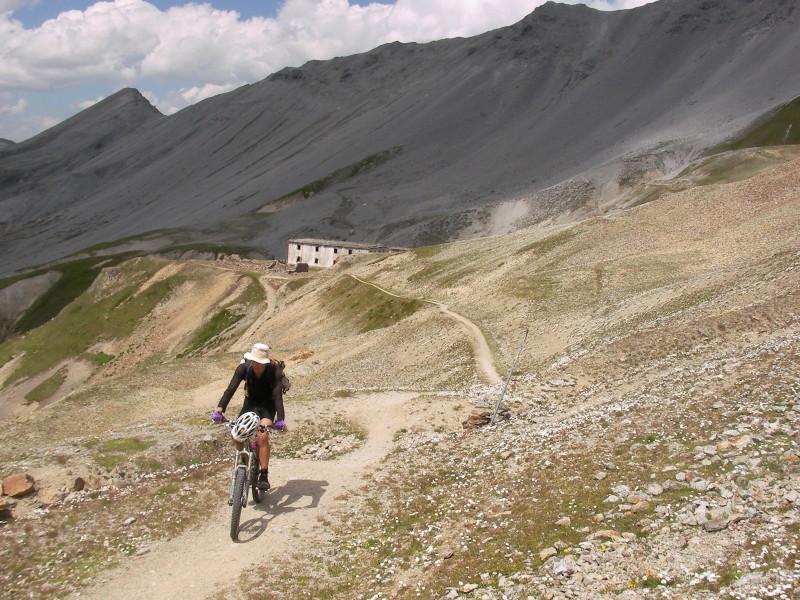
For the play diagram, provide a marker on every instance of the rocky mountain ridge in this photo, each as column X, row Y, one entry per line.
column 437, row 141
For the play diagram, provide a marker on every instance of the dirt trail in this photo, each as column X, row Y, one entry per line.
column 483, row 354
column 203, row 562
column 245, row 342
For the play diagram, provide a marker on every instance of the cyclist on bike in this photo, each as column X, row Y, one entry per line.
column 263, row 395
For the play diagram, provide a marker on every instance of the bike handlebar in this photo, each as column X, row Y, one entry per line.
column 228, row 423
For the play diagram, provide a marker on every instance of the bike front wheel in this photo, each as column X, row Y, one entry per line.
column 239, row 486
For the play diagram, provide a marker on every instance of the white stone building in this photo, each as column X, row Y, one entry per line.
column 323, row 253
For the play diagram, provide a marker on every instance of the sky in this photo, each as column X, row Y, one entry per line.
column 58, row 57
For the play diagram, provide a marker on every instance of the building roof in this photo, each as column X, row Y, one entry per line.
column 334, row 243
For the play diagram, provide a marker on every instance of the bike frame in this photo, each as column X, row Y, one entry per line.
column 246, row 459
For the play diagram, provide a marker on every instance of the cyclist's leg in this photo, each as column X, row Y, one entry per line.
column 264, row 448
column 263, row 444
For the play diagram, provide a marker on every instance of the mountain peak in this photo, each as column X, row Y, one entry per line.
column 117, row 114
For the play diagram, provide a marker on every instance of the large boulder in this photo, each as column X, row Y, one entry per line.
column 18, row 485
column 480, row 418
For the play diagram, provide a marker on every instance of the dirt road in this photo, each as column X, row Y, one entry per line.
column 203, row 562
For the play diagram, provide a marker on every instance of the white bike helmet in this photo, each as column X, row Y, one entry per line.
column 245, row 426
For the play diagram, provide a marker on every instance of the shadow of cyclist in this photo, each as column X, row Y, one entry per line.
column 296, row 494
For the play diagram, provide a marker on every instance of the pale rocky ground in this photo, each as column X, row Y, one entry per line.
column 651, row 450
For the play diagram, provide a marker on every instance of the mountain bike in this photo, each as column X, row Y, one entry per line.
column 243, row 478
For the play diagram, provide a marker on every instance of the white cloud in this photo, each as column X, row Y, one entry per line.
column 14, row 109
column 104, row 43
column 22, row 127
column 175, row 100
column 9, row 6
column 87, row 103
column 199, row 51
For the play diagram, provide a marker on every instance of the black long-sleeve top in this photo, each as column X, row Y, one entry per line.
column 264, row 391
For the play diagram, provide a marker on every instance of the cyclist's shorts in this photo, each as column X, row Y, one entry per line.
column 263, row 412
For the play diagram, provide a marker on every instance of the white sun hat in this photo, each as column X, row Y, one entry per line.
column 259, row 353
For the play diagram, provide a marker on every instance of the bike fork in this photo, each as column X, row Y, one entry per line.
column 233, row 480
column 247, row 474
column 242, row 461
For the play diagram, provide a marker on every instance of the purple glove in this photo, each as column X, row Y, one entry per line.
column 217, row 417
column 280, row 425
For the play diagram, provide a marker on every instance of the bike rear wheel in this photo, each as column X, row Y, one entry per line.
column 239, row 486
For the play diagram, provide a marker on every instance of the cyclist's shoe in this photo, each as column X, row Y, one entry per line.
column 263, row 480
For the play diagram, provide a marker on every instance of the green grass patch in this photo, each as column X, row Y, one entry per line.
column 87, row 320
column 296, row 284
column 117, row 451
column 253, row 294
column 458, row 276
column 365, row 307
column 150, row 465
column 648, row 582
column 727, row 168
column 778, row 127
column 538, row 287
column 47, row 388
column 431, row 271
column 129, row 445
column 168, row 489
column 211, row 329
column 550, row 243
column 92, row 317
column 364, row 165
column 427, row 251
column 76, row 277
column 100, row 358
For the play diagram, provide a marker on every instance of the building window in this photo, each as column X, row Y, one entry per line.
column 350, row 251
column 298, row 246
column 316, row 261
column 336, row 251
column 298, row 259
column 316, row 249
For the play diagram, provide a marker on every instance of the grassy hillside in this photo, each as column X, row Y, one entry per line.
column 105, row 320
column 778, row 127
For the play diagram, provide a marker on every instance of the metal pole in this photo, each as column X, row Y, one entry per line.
column 508, row 379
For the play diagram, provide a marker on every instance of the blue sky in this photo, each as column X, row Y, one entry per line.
column 58, row 57
column 33, row 14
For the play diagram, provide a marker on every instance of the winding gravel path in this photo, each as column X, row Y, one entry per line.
column 483, row 354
